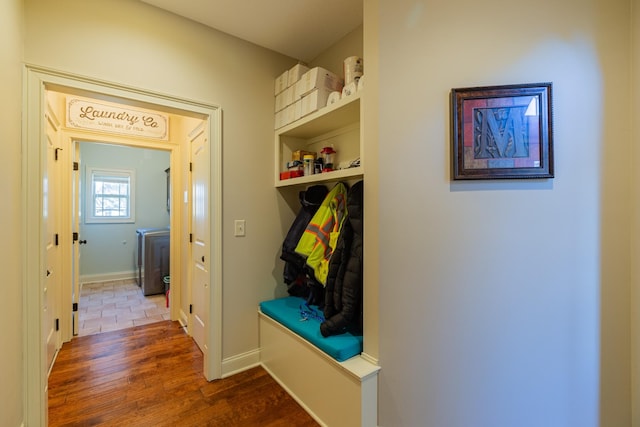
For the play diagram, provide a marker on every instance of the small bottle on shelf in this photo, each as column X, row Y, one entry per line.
column 308, row 161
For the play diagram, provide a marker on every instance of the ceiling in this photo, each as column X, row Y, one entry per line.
column 301, row 29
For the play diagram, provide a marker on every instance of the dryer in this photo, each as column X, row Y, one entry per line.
column 152, row 259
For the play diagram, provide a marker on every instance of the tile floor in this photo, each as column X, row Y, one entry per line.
column 117, row 305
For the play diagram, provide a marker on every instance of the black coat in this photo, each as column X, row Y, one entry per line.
column 343, row 291
column 294, row 275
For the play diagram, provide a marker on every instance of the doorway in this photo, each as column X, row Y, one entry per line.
column 37, row 83
column 125, row 188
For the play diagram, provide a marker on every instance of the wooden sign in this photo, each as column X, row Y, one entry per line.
column 115, row 118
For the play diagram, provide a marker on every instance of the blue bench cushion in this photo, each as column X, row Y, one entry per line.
column 287, row 311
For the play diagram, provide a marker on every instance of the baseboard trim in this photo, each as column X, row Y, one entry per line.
column 241, row 362
column 107, row 277
column 184, row 320
column 370, row 359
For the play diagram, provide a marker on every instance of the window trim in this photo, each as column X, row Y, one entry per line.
column 89, row 216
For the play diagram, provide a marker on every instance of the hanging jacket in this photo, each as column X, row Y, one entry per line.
column 321, row 235
column 294, row 276
column 343, row 291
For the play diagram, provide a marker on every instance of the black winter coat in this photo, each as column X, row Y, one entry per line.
column 294, row 276
column 343, row 291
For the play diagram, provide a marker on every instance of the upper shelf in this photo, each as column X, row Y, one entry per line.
column 334, row 116
column 337, row 175
column 334, row 122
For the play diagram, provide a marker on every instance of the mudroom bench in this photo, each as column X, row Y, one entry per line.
column 327, row 376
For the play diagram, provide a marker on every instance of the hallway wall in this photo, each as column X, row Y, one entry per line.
column 508, row 300
column 11, row 34
column 128, row 42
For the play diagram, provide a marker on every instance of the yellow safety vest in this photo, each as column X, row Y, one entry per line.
column 321, row 235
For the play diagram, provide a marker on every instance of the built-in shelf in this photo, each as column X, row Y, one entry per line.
column 342, row 174
column 337, row 115
column 351, row 385
column 336, row 125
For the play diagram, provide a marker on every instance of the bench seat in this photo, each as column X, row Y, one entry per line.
column 292, row 313
column 335, row 393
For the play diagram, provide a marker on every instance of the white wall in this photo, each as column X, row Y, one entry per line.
column 11, row 27
column 505, row 303
column 333, row 58
column 134, row 44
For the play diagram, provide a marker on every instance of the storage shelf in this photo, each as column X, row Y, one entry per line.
column 336, row 125
column 337, row 115
column 351, row 173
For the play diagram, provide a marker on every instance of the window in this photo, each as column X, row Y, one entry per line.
column 110, row 195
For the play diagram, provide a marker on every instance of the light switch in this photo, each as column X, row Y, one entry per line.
column 239, row 228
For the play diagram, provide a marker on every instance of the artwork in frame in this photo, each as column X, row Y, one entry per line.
column 502, row 132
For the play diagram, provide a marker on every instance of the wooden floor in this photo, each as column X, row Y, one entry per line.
column 151, row 375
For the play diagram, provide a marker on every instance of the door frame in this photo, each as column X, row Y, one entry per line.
column 35, row 81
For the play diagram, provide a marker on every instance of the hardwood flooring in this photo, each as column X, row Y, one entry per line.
column 151, row 375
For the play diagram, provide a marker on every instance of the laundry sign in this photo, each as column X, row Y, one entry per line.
column 116, row 118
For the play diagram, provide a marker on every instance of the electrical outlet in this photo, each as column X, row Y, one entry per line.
column 239, row 228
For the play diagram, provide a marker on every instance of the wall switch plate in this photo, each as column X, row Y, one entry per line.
column 239, row 228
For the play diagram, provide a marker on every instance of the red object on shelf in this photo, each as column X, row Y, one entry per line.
column 291, row 174
column 327, row 154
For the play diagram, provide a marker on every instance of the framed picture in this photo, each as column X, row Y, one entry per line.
column 502, row 132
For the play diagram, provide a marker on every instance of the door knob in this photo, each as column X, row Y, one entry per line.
column 82, row 242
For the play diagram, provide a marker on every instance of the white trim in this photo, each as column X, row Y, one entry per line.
column 370, row 359
column 107, row 277
column 215, row 297
column 34, row 370
column 183, row 319
column 36, row 80
column 240, row 362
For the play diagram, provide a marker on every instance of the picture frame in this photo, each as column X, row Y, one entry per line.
column 502, row 132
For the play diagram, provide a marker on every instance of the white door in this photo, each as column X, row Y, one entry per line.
column 200, row 247
column 51, row 287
